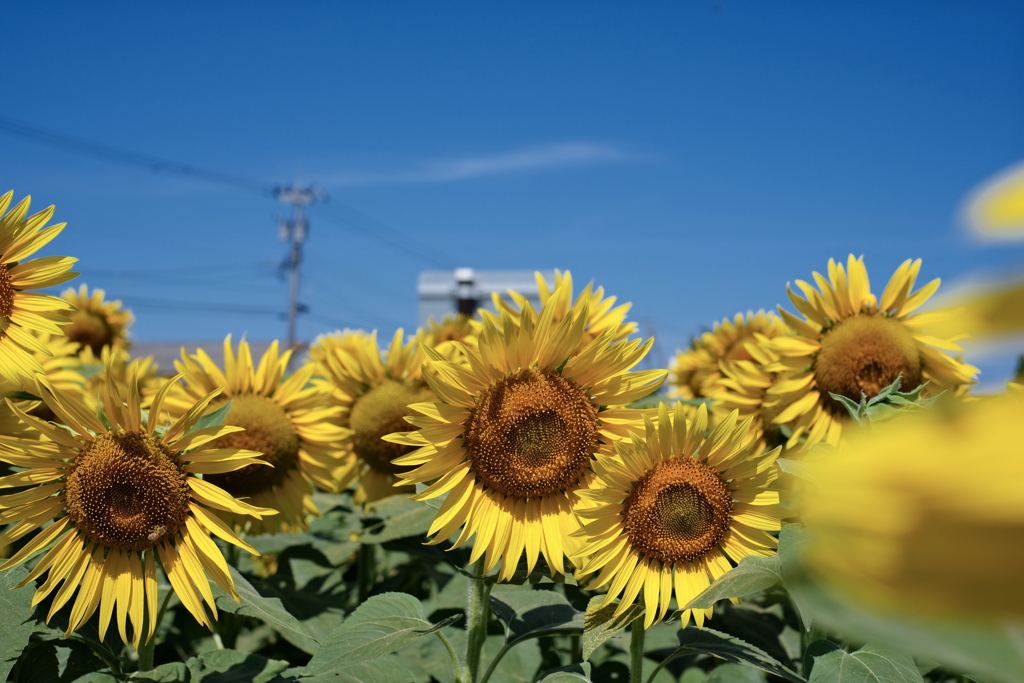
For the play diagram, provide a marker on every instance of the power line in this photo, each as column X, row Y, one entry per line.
column 369, row 227
column 120, row 155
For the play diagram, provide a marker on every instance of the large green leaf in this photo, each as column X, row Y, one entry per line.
column 735, row 673
column 399, row 517
column 381, row 625
column 268, row 610
column 385, row 670
column 16, row 625
column 574, row 673
column 752, row 575
column 870, row 664
column 601, row 624
column 535, row 613
column 165, row 673
column 58, row 661
column 721, row 645
column 791, row 542
column 231, row 666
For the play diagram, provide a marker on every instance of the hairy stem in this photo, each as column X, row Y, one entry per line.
column 636, row 653
column 477, row 614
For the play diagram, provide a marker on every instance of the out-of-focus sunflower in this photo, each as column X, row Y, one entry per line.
column 112, row 366
column 604, row 315
column 924, row 514
column 669, row 510
column 23, row 312
column 346, row 339
column 288, row 420
column 374, row 394
column 452, row 328
column 513, row 436
column 851, row 344
column 97, row 323
column 696, row 372
column 121, row 494
column 62, row 370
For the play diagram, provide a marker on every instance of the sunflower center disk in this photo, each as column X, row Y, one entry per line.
column 89, row 329
column 382, row 411
column 532, row 434
column 866, row 354
column 127, row 491
column 6, row 292
column 678, row 511
column 267, row 430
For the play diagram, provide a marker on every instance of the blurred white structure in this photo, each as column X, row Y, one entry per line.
column 444, row 292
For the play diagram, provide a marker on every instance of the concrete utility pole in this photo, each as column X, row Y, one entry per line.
column 295, row 231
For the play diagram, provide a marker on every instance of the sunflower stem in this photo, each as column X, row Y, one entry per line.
column 636, row 653
column 367, row 570
column 477, row 614
column 147, row 649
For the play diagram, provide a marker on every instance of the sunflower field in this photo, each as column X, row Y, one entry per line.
column 808, row 495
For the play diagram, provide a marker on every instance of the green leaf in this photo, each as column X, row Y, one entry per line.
column 267, row 610
column 735, row 673
column 58, row 661
column 386, row 670
column 721, row 645
column 868, row 665
column 400, row 518
column 214, row 419
column 165, row 673
column 534, row 613
column 22, row 396
column 815, row 650
column 600, row 623
column 381, row 625
column 574, row 673
column 16, row 626
column 752, row 575
column 231, row 666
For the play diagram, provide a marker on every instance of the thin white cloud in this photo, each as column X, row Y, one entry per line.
column 538, row 158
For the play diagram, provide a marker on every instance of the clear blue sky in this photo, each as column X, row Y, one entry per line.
column 692, row 157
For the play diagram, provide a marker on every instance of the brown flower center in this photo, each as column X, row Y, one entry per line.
column 866, row 353
column 382, row 411
column 532, row 434
column 6, row 292
column 89, row 329
column 127, row 491
column 267, row 430
column 678, row 511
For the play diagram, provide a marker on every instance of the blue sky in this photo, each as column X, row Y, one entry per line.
column 692, row 157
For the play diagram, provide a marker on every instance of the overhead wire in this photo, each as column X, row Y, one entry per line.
column 120, row 155
column 348, row 217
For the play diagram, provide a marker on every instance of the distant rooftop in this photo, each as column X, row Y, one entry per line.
column 441, row 290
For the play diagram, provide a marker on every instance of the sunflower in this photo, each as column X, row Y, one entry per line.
column 288, row 420
column 123, row 496
column 115, row 361
column 602, row 315
column 696, row 372
column 62, row 370
column 924, row 514
column 22, row 312
column 671, row 509
column 744, row 387
column 374, row 394
column 513, row 436
column 850, row 344
column 97, row 323
column 452, row 328
column 346, row 339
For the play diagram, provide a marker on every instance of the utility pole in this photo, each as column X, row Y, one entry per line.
column 295, row 230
